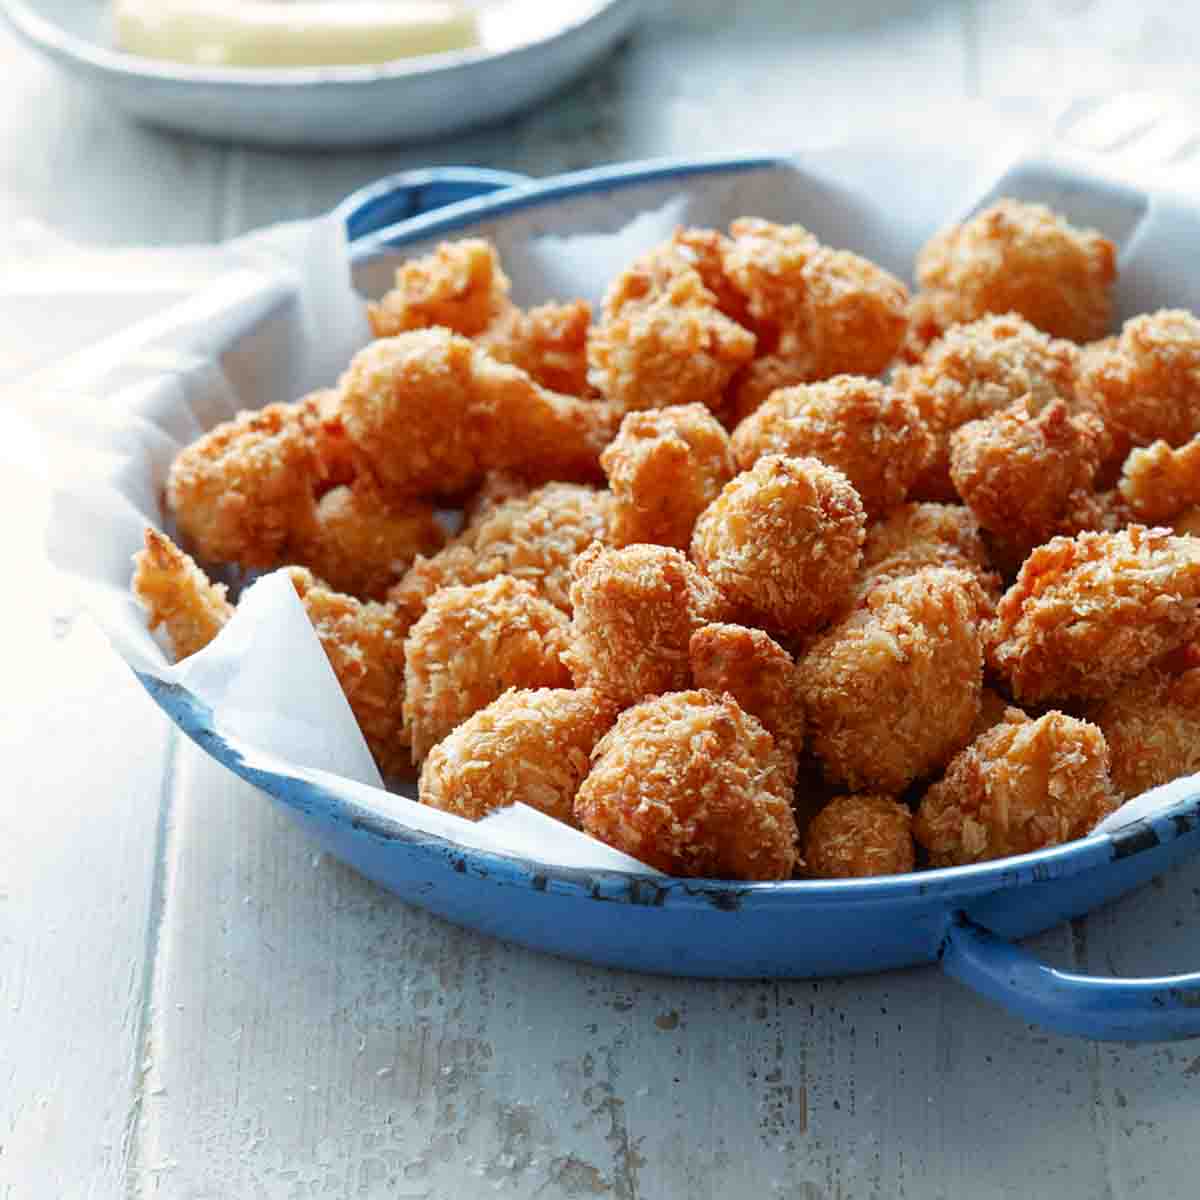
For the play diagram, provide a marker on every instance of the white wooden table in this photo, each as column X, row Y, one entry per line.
column 195, row 1004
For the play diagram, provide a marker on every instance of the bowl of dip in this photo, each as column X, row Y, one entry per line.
column 321, row 72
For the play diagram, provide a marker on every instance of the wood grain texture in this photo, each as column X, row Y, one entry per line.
column 204, row 1006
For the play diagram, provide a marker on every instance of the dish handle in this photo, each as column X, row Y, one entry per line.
column 407, row 194
column 1093, row 1006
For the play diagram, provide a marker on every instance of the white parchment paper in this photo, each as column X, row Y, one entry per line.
column 158, row 346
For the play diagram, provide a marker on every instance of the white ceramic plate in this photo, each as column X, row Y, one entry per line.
column 531, row 47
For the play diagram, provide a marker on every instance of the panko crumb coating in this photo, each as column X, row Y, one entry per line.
column 977, row 369
column 783, row 542
column 1020, row 258
column 927, row 535
column 320, row 417
column 535, row 538
column 1088, row 612
column 1020, row 469
column 829, row 311
column 532, row 746
column 460, row 286
column 992, row 710
column 1152, row 726
column 495, row 488
column 691, row 785
column 634, row 611
column 548, row 342
column 364, row 642
column 1159, row 483
column 872, row 434
column 854, row 837
column 243, row 493
column 470, row 646
column 665, row 467
column 673, row 346
column 1145, row 384
column 429, row 413
column 362, row 543
column 1021, row 786
column 754, row 384
column 756, row 671
column 178, row 595
column 892, row 690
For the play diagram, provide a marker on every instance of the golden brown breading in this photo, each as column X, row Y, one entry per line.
column 705, row 250
column 496, row 488
column 1152, row 726
column 1088, row 612
column 1159, row 483
column 549, row 343
column 871, row 433
column 992, row 710
column 1019, row 787
column 634, row 611
column 690, row 784
column 1020, row 469
column 364, row 642
column 977, row 369
column 829, row 311
column 665, row 467
column 460, row 286
column 854, row 837
column 927, row 535
column 1021, row 258
column 892, row 690
column 756, row 671
column 783, row 542
column 429, row 413
column 534, row 538
column 320, row 418
column 362, row 543
column 177, row 594
column 529, row 746
column 471, row 645
column 1146, row 383
column 675, row 346
column 1096, row 512
column 243, row 493
column 755, row 383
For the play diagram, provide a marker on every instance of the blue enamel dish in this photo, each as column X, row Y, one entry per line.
column 962, row 917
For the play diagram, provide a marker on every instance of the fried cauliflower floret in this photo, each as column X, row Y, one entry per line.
column 429, row 413
column 243, row 493
column 756, row 671
column 872, row 434
column 364, row 642
column 1088, row 612
column 1019, row 469
column 535, row 538
column 783, row 542
column 549, row 343
column 362, row 543
column 975, row 370
column 470, row 646
column 532, row 746
column 634, row 611
column 1020, row 258
column 1146, row 383
column 673, row 347
column 892, row 690
column 1152, row 726
column 854, row 837
column 1021, row 786
column 1159, row 483
column 691, row 785
column 829, row 311
column 178, row 595
column 705, row 250
column 665, row 467
column 460, row 286
column 927, row 535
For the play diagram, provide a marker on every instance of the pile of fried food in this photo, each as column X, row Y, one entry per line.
column 769, row 570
